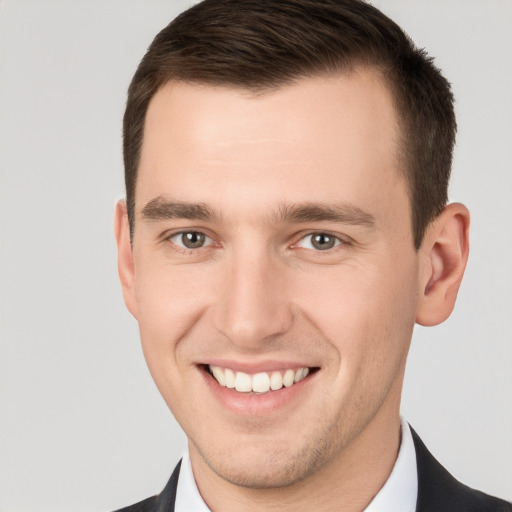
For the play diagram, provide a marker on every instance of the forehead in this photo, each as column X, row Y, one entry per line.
column 318, row 136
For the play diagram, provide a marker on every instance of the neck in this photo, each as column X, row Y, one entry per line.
column 346, row 484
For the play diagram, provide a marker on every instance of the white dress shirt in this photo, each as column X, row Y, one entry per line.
column 398, row 494
column 400, row 491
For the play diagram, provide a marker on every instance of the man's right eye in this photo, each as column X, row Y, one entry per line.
column 190, row 240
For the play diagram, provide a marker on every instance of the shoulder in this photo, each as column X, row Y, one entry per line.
column 163, row 501
column 439, row 491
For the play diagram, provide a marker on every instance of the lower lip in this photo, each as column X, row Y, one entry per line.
column 256, row 404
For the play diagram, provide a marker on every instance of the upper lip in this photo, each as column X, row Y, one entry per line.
column 253, row 367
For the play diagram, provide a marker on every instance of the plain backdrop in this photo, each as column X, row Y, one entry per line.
column 83, row 427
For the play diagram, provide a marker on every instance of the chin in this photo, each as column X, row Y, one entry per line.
column 274, row 474
column 274, row 466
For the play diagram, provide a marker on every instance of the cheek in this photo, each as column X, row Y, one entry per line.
column 170, row 301
column 169, row 295
column 365, row 311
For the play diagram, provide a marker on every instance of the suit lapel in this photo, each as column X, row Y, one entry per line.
column 438, row 491
column 167, row 497
column 436, row 487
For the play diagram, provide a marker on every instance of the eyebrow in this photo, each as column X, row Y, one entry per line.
column 162, row 208
column 314, row 212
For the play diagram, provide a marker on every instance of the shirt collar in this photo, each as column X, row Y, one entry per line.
column 399, row 493
column 188, row 498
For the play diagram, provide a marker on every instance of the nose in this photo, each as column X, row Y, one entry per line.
column 253, row 307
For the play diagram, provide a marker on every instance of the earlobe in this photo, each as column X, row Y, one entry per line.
column 444, row 254
column 125, row 263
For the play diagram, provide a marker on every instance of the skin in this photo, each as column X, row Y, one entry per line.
column 258, row 291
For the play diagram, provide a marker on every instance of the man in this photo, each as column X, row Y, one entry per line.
column 286, row 225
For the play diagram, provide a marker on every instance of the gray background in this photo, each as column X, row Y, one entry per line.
column 82, row 426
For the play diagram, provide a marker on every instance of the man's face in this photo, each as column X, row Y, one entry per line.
column 272, row 234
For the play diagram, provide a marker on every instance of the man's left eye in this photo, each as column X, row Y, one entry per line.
column 319, row 242
column 190, row 240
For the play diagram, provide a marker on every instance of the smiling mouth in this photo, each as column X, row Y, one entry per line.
column 258, row 383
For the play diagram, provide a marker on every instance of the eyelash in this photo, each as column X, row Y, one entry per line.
column 338, row 241
column 342, row 243
column 188, row 250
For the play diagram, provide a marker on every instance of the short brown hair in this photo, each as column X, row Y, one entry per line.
column 259, row 45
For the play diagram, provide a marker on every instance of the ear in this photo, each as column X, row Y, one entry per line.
column 443, row 258
column 125, row 264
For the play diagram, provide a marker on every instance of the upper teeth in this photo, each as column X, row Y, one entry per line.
column 258, row 382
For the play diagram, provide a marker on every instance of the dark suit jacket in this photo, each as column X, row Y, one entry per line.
column 438, row 491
